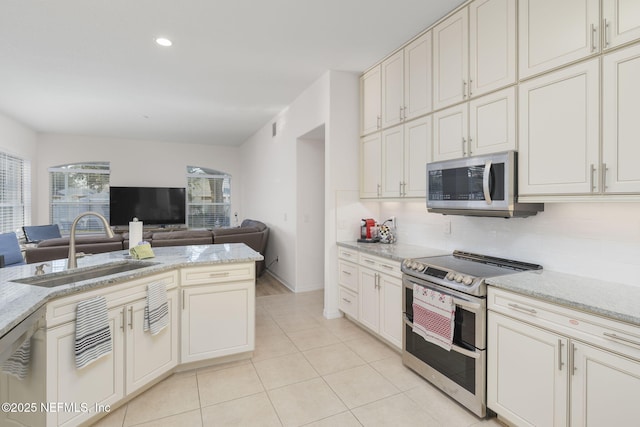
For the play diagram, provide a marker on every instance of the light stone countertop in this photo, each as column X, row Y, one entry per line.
column 17, row 300
column 394, row 251
column 617, row 301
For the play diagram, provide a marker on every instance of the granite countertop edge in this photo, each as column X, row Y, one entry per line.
column 18, row 301
column 393, row 251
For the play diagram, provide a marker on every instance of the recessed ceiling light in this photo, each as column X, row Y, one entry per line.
column 163, row 41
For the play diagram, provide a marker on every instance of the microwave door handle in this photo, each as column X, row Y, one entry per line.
column 485, row 182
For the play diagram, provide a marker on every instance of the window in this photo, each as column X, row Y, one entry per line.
column 208, row 198
column 78, row 188
column 15, row 193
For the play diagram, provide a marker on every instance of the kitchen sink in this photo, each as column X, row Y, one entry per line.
column 52, row 280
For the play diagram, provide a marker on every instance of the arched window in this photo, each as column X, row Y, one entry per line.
column 77, row 188
column 208, row 198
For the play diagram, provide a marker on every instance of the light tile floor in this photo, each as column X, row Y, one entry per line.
column 306, row 370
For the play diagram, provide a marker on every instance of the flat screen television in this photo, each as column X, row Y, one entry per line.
column 151, row 205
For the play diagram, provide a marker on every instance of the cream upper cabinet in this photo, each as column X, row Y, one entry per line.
column 393, row 90
column 417, row 153
column 492, row 122
column 370, row 169
column 393, row 161
column 492, row 46
column 450, row 129
column 451, row 60
column 621, row 127
column 418, row 77
column 621, row 22
column 559, row 131
column 370, row 93
column 554, row 33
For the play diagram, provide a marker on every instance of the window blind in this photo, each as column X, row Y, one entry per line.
column 208, row 198
column 15, row 193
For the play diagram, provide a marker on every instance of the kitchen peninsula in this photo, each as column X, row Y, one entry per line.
column 211, row 298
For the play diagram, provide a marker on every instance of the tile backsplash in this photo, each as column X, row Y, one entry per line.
column 599, row 240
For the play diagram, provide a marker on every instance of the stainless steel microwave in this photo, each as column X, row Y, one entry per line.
column 483, row 185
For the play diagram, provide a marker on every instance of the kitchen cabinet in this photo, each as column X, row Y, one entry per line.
column 393, row 89
column 621, row 127
column 483, row 125
column 406, row 151
column 573, row 362
column 559, row 131
column 370, row 98
column 553, row 34
column 620, row 21
column 451, row 60
column 218, row 311
column 418, row 77
column 370, row 166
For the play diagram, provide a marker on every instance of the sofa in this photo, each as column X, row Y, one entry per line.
column 251, row 232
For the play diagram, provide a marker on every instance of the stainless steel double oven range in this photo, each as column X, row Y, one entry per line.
column 461, row 372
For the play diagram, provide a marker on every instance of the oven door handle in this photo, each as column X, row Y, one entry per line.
column 456, row 348
column 471, row 306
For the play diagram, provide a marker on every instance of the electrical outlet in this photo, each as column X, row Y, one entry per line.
column 394, row 222
column 446, row 227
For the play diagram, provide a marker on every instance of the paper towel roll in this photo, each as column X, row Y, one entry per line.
column 135, row 232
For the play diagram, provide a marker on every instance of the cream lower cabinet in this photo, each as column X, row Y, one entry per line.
column 218, row 311
column 348, row 282
column 542, row 372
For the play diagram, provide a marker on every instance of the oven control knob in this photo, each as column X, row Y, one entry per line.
column 419, row 267
column 467, row 280
column 450, row 276
column 458, row 278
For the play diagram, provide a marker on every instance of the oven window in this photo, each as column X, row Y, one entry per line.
column 457, row 367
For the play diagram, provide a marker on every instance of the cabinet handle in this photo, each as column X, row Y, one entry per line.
column 619, row 338
column 605, row 25
column 560, row 363
column 404, row 113
column 593, row 181
column 123, row 320
column 464, row 89
column 347, row 254
column 346, row 300
column 131, row 317
column 521, row 308
column 388, row 267
column 593, row 37
column 464, row 147
column 470, row 151
column 378, row 122
column 573, row 359
column 377, row 280
column 400, row 114
column 368, row 261
column 348, row 273
column 183, row 299
column 404, row 188
column 605, row 169
column 470, row 88
column 400, row 188
column 378, row 190
column 221, row 274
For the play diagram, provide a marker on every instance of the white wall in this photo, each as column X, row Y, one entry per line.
column 20, row 141
column 135, row 163
column 599, row 240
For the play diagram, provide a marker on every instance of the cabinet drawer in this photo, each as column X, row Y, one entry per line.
column 222, row 273
column 348, row 254
column 348, row 302
column 348, row 275
column 63, row 310
column 602, row 332
column 382, row 265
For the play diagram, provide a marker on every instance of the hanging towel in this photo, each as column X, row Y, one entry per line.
column 433, row 316
column 156, row 312
column 18, row 364
column 93, row 335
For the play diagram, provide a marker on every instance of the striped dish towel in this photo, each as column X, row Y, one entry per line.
column 433, row 316
column 156, row 312
column 18, row 364
column 93, row 335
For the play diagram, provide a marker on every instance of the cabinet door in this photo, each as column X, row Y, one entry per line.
column 554, row 33
column 99, row 383
column 370, row 88
column 527, row 380
column 621, row 21
column 217, row 320
column 492, row 46
column 450, row 133
column 451, row 60
column 621, row 127
column 392, row 90
column 558, row 131
column 370, row 166
column 392, row 162
column 391, row 309
column 492, row 122
column 418, row 77
column 369, row 299
column 417, row 153
column 149, row 356
column 604, row 388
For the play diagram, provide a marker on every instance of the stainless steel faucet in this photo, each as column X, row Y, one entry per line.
column 72, row 263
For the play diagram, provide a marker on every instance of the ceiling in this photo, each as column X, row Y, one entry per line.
column 91, row 67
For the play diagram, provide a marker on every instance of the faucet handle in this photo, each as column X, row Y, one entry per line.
column 40, row 269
